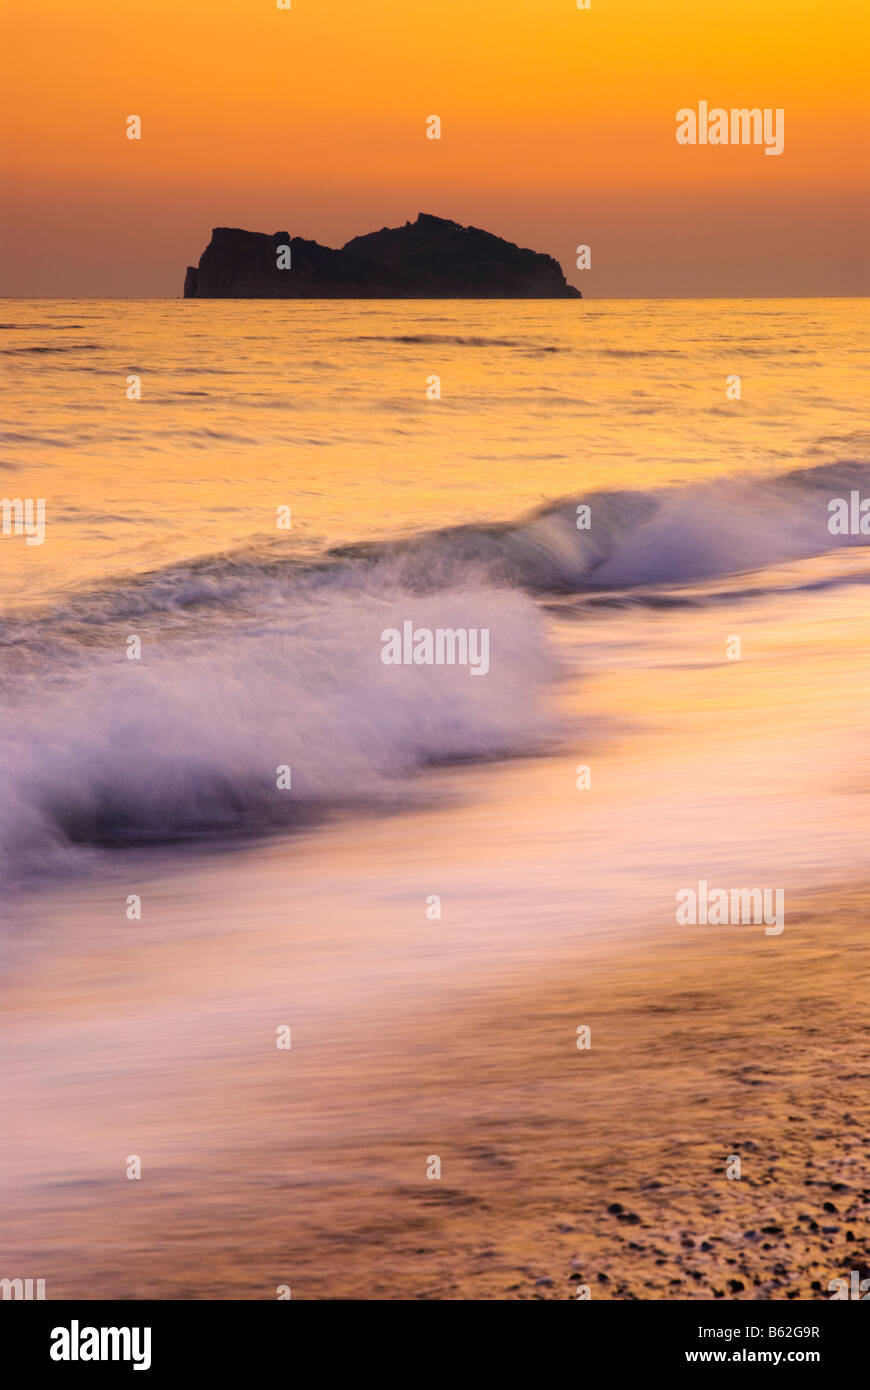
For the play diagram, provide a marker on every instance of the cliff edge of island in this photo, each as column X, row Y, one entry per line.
column 431, row 258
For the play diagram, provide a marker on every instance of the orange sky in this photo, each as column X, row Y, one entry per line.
column 558, row 128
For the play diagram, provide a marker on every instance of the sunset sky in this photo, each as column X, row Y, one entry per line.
column 558, row 129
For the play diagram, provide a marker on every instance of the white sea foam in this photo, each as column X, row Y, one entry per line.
column 188, row 740
column 253, row 662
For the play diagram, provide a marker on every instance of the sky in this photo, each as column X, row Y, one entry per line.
column 558, row 129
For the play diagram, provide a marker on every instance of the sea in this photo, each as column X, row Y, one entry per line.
column 222, row 812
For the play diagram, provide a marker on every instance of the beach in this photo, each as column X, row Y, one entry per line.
column 446, row 1032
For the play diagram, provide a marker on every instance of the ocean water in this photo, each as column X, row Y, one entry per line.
column 261, row 646
column 248, row 406
column 611, row 648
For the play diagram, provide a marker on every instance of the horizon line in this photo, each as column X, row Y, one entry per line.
column 410, row 299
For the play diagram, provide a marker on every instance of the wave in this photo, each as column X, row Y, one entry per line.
column 667, row 537
column 189, row 741
column 455, row 340
column 46, row 347
column 641, row 352
column 52, row 327
column 675, row 535
column 254, row 661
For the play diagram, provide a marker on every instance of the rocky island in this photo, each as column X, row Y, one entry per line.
column 431, row 258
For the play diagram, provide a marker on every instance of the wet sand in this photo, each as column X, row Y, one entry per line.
column 413, row 1038
column 560, row 1167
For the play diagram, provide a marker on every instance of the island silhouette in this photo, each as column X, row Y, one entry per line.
column 430, row 258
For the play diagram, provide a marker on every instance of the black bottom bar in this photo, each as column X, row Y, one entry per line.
column 630, row 1338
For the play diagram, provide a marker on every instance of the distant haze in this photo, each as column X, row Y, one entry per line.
column 558, row 129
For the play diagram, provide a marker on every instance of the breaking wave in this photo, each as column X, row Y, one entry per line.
column 251, row 662
column 670, row 536
column 187, row 742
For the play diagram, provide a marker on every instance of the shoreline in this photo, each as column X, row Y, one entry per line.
column 697, row 1054
column 456, row 1038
